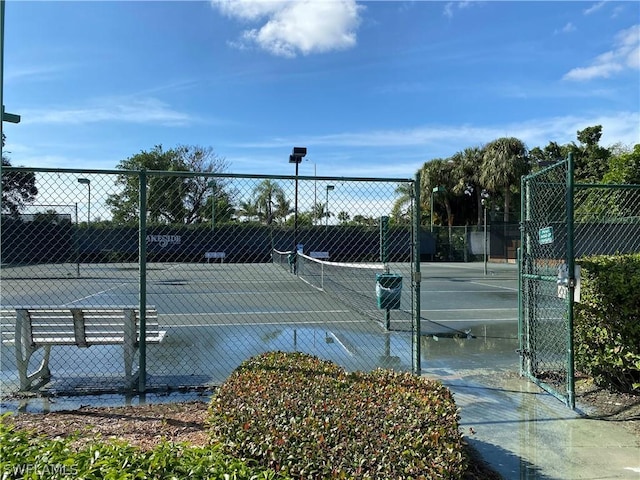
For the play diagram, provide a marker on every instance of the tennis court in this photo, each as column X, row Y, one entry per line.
column 216, row 315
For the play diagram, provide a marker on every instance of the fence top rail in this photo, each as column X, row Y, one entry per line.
column 204, row 174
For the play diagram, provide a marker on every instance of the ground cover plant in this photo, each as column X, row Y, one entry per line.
column 25, row 455
column 308, row 418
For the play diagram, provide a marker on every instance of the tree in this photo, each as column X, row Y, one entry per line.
column 401, row 210
column 364, row 221
column 51, row 217
column 624, row 167
column 170, row 198
column 343, row 217
column 305, row 219
column 218, row 203
column 271, row 202
column 319, row 211
column 198, row 191
column 504, row 162
column 551, row 154
column 590, row 159
column 249, row 210
column 18, row 188
column 467, row 167
column 439, row 173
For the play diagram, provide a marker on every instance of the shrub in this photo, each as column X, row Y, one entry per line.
column 23, row 455
column 607, row 321
column 307, row 418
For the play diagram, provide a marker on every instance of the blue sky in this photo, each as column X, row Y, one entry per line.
column 370, row 88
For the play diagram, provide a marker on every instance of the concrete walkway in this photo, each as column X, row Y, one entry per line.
column 525, row 433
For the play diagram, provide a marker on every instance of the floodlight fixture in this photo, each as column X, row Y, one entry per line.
column 300, row 151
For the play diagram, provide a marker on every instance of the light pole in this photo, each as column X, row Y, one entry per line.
column 87, row 182
column 296, row 157
column 433, row 191
column 326, row 224
column 485, row 197
column 212, row 184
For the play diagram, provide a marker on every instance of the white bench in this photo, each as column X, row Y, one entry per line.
column 43, row 326
column 319, row 255
column 214, row 256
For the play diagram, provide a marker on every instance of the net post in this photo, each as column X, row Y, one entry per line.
column 416, row 277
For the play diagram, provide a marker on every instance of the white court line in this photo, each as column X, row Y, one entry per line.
column 475, row 268
column 253, row 324
column 461, row 291
column 472, row 310
column 231, row 293
column 495, row 286
column 459, row 320
column 94, row 294
column 253, row 312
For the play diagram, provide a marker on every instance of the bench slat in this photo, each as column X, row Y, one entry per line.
column 55, row 325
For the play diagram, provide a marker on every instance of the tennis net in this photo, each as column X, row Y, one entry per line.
column 352, row 284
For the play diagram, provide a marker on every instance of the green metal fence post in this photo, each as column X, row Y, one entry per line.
column 572, row 283
column 142, row 261
column 416, row 278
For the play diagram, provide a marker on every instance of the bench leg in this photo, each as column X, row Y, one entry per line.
column 22, row 361
column 130, row 346
column 129, row 355
column 24, row 350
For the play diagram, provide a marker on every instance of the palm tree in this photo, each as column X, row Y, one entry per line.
column 404, row 200
column 343, row 217
column 249, row 210
column 319, row 211
column 439, row 173
column 270, row 200
column 283, row 206
column 468, row 164
column 504, row 162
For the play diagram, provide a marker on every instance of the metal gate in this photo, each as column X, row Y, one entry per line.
column 547, row 280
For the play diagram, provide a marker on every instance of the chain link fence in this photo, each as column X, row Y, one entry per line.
column 217, row 268
column 607, row 219
column 467, row 243
column 561, row 223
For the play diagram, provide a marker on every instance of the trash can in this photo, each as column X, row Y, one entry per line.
column 388, row 290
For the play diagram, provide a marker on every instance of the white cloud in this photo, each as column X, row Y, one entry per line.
column 594, row 8
column 445, row 140
column 142, row 111
column 450, row 6
column 568, row 28
column 289, row 28
column 617, row 11
column 33, row 73
column 625, row 54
